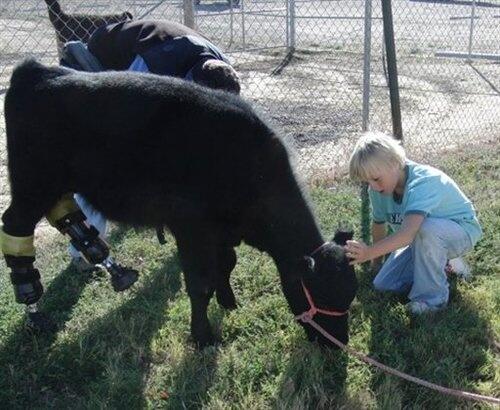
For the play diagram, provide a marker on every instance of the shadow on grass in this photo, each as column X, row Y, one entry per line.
column 103, row 365
column 448, row 348
column 315, row 377
column 192, row 379
column 22, row 356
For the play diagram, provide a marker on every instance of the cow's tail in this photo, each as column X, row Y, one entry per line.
column 54, row 8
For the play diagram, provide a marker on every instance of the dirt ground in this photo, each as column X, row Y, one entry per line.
column 315, row 102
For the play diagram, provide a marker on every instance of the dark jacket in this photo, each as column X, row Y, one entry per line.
column 168, row 48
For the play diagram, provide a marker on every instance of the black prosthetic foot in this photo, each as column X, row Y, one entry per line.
column 124, row 280
column 122, row 277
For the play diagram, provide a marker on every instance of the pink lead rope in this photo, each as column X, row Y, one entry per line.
column 307, row 317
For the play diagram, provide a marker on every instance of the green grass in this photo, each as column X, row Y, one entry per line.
column 132, row 350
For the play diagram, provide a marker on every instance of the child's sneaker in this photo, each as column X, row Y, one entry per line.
column 459, row 268
column 418, row 308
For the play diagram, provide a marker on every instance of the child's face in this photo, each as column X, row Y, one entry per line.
column 384, row 180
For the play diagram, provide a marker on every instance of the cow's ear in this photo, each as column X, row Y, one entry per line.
column 341, row 237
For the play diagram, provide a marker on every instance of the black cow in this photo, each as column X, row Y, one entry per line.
column 148, row 151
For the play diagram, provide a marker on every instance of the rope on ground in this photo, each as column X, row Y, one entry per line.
column 445, row 390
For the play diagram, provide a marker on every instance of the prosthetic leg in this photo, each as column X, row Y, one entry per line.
column 67, row 217
column 19, row 253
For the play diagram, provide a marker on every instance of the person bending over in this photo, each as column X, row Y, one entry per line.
column 165, row 48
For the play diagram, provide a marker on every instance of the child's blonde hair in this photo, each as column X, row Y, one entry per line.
column 374, row 152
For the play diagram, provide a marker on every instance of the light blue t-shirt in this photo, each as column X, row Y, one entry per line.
column 429, row 192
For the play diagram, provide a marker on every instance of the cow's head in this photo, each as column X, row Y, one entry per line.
column 332, row 285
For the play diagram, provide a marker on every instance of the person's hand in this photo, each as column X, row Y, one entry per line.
column 357, row 251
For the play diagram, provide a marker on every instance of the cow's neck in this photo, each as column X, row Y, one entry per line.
column 294, row 234
column 286, row 227
column 280, row 221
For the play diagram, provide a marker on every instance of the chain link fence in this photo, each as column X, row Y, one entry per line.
column 448, row 61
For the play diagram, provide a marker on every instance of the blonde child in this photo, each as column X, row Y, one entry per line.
column 432, row 221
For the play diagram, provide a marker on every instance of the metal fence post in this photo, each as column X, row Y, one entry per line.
column 291, row 46
column 231, row 23
column 472, row 19
column 365, row 202
column 367, row 64
column 188, row 9
column 243, row 36
column 392, row 69
column 287, row 22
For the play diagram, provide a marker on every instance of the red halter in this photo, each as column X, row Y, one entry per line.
column 309, row 314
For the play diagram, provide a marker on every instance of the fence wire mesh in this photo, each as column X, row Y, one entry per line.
column 448, row 61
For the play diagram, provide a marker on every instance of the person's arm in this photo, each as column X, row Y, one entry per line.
column 360, row 252
column 379, row 232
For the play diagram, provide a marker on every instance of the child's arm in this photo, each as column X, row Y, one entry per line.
column 379, row 232
column 360, row 252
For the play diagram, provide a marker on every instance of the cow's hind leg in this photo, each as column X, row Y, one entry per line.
column 226, row 260
column 19, row 221
column 198, row 258
column 16, row 237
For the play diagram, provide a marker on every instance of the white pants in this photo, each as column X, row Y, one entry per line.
column 94, row 218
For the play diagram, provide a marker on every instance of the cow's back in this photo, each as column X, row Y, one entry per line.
column 133, row 143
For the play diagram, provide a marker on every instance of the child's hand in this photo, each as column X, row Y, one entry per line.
column 357, row 251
